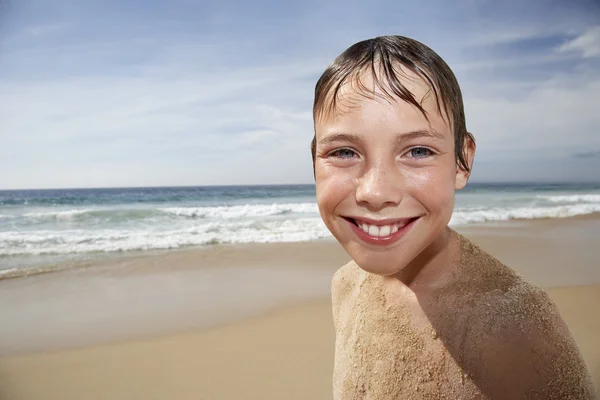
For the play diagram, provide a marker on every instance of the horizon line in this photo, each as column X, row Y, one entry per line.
column 543, row 182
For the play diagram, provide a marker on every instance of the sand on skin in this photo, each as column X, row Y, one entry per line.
column 287, row 353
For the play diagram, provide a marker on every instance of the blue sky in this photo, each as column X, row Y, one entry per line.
column 157, row 93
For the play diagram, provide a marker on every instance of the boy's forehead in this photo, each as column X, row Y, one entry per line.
column 365, row 86
column 366, row 82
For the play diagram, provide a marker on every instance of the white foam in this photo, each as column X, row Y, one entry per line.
column 176, row 227
column 242, row 211
column 58, row 215
column 506, row 214
column 573, row 198
column 7, row 272
column 85, row 241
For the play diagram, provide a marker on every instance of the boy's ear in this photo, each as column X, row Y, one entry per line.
column 462, row 175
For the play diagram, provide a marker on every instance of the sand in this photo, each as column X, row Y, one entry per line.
column 284, row 355
column 198, row 324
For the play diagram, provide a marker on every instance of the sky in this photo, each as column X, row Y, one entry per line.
column 182, row 92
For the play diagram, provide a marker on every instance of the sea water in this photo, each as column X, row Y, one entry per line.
column 48, row 227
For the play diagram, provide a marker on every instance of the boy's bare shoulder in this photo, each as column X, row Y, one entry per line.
column 348, row 294
column 496, row 295
column 509, row 335
column 346, row 273
column 480, row 280
column 345, row 281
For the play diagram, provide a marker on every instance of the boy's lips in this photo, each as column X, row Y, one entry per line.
column 381, row 232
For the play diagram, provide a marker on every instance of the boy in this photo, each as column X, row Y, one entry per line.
column 420, row 312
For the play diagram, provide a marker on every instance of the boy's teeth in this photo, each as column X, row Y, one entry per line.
column 380, row 231
column 384, row 230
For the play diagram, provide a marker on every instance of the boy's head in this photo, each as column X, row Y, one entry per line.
column 390, row 149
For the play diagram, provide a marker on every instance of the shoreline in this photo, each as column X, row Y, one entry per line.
column 129, row 298
column 143, row 297
column 110, row 258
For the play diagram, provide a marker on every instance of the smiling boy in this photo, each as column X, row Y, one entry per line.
column 421, row 312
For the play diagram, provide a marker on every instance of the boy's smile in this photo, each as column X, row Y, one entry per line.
column 385, row 175
column 382, row 232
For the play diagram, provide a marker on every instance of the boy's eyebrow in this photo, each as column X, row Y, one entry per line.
column 351, row 137
column 341, row 137
column 430, row 133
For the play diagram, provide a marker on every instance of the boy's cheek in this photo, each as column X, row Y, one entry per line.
column 434, row 189
column 330, row 189
column 438, row 179
column 328, row 176
column 323, row 183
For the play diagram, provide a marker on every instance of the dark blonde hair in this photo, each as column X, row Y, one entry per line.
column 381, row 56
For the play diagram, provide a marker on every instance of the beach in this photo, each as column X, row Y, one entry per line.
column 248, row 321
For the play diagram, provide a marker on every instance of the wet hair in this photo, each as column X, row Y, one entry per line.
column 384, row 57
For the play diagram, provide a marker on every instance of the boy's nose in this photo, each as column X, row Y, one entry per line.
column 379, row 187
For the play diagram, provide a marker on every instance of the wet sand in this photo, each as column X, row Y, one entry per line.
column 232, row 322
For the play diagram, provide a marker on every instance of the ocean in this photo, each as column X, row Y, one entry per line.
column 41, row 228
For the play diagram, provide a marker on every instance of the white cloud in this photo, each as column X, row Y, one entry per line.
column 558, row 115
column 588, row 44
column 201, row 127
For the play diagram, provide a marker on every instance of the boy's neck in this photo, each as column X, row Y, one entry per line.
column 433, row 266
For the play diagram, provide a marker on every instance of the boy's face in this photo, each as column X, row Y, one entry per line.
column 385, row 176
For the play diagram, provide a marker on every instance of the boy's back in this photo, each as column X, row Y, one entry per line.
column 482, row 333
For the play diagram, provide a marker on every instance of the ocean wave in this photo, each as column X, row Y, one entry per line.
column 96, row 215
column 5, row 273
column 242, row 211
column 190, row 226
column 138, row 213
column 507, row 214
column 56, row 215
column 572, row 198
column 86, row 241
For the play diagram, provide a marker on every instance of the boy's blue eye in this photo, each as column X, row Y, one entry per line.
column 343, row 153
column 420, row 152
